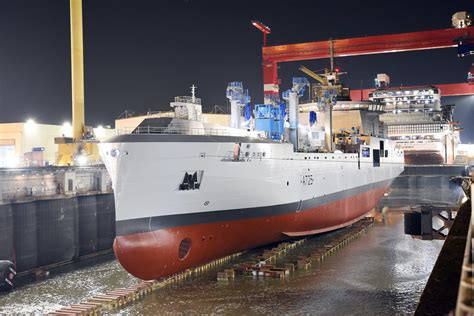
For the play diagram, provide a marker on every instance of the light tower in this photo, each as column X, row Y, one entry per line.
column 263, row 28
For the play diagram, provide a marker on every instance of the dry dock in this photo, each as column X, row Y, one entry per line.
column 383, row 271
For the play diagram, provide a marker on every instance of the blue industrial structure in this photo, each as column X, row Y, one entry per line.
column 248, row 112
column 270, row 119
column 312, row 118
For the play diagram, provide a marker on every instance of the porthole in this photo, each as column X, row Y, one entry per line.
column 115, row 152
column 287, row 183
column 184, row 248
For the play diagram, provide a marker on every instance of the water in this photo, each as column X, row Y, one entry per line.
column 383, row 272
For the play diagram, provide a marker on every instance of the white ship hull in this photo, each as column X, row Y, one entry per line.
column 238, row 199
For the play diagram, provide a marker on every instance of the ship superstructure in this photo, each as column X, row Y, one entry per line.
column 419, row 123
column 188, row 192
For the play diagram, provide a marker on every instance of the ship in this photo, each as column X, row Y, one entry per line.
column 417, row 120
column 188, row 192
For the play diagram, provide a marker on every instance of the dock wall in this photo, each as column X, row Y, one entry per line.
column 41, row 232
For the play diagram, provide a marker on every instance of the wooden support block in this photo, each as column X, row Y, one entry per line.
column 230, row 273
column 79, row 309
column 222, row 276
column 284, row 271
column 71, row 311
column 290, row 266
column 303, row 265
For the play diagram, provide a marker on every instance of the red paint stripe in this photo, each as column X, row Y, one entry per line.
column 153, row 255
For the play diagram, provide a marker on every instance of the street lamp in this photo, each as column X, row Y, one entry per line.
column 263, row 28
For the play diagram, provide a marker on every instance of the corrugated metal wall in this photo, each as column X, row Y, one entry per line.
column 25, row 235
column 42, row 232
column 6, row 233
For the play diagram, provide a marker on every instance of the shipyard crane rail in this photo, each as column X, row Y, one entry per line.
column 379, row 44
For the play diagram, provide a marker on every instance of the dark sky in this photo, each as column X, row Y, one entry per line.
column 140, row 54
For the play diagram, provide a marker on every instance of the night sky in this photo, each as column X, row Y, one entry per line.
column 140, row 54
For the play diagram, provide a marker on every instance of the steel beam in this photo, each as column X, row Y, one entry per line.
column 378, row 44
column 403, row 42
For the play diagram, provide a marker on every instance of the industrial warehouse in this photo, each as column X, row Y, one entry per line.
column 162, row 170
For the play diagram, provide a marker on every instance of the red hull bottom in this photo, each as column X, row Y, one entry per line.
column 155, row 254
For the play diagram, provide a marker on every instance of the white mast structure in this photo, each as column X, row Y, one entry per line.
column 292, row 96
column 238, row 98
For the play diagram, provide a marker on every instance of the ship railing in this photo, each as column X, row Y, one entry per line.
column 187, row 99
column 180, row 130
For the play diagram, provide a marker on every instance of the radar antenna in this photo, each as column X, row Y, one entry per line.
column 193, row 92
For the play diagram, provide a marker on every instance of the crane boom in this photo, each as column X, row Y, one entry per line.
column 313, row 75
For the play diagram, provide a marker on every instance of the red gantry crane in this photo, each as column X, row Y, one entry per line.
column 393, row 43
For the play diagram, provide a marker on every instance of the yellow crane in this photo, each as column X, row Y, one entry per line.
column 77, row 150
column 312, row 74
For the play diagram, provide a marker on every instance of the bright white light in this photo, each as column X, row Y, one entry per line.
column 82, row 160
column 12, row 161
column 30, row 126
column 99, row 132
column 66, row 129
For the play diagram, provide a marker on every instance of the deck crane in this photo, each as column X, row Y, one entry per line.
column 292, row 96
column 326, row 94
column 238, row 98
